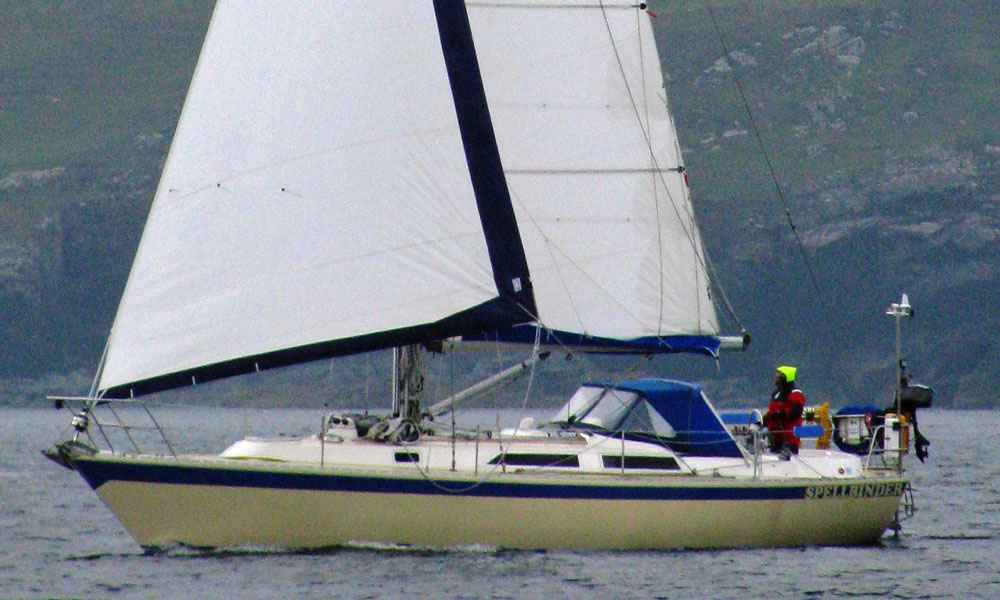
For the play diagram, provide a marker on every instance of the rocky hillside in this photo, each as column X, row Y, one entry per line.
column 879, row 124
column 871, row 129
column 89, row 94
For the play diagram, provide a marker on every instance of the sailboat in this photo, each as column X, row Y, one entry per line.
column 347, row 179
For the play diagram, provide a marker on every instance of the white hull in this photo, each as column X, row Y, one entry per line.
column 211, row 502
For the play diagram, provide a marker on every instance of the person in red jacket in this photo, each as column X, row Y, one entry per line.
column 784, row 412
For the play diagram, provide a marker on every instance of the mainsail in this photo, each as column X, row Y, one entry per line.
column 595, row 174
column 345, row 178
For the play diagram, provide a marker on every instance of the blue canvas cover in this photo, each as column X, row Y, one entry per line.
column 700, row 431
column 859, row 409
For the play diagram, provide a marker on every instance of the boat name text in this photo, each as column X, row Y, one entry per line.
column 857, row 490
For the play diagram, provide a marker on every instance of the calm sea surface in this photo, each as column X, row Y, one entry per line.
column 58, row 540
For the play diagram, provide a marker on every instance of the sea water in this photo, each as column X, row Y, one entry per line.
column 58, row 540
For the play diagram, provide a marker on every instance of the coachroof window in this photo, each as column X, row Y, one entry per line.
column 612, row 410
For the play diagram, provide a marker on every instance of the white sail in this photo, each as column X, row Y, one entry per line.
column 334, row 175
column 316, row 189
column 591, row 158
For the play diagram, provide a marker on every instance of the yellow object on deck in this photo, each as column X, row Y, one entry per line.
column 822, row 416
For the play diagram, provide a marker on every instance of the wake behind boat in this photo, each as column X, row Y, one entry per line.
column 344, row 180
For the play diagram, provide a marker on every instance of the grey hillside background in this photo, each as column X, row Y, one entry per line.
column 880, row 120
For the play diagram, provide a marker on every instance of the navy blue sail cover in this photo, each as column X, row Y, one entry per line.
column 699, row 429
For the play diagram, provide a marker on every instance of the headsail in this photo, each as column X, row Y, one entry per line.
column 344, row 179
column 317, row 200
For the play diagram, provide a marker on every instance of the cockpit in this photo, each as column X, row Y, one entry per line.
column 671, row 413
column 611, row 409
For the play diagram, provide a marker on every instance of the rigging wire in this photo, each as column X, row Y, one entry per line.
column 652, row 157
column 646, row 136
column 770, row 168
column 499, row 466
column 690, row 232
column 835, row 331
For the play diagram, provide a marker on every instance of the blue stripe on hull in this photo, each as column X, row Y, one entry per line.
column 100, row 471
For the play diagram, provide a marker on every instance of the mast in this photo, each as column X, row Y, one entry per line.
column 408, row 381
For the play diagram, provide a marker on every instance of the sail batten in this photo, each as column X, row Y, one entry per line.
column 585, row 170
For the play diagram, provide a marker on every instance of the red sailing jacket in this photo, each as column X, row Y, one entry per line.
column 783, row 415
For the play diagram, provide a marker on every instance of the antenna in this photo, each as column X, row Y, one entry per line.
column 899, row 310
